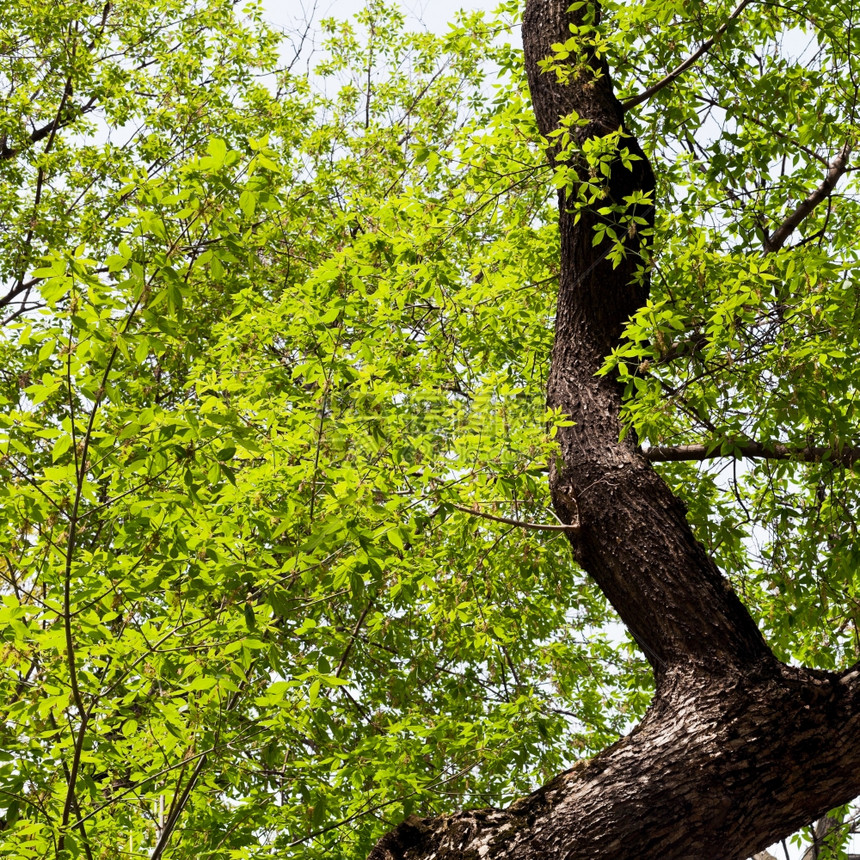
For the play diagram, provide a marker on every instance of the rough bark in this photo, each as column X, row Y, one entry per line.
column 737, row 750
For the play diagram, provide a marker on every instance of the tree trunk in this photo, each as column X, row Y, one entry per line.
column 737, row 750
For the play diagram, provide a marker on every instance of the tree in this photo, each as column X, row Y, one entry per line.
column 738, row 748
column 279, row 564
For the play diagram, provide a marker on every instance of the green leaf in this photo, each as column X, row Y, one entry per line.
column 63, row 444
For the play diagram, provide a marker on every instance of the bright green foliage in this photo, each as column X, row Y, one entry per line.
column 266, row 334
column 265, row 337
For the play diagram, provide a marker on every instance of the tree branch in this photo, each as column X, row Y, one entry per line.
column 775, row 132
column 67, row 116
column 846, row 456
column 837, row 168
column 679, row 70
column 543, row 527
column 719, row 768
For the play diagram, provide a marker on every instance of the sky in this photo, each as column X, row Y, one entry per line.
column 434, row 14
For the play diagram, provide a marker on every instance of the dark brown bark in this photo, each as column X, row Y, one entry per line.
column 736, row 750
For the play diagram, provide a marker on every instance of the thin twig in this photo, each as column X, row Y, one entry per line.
column 345, row 657
column 542, row 527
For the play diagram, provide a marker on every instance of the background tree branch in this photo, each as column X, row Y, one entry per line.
column 845, row 456
column 686, row 64
column 838, row 167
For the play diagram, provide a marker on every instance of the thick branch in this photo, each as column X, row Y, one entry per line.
column 837, row 168
column 67, row 116
column 718, row 770
column 847, row 456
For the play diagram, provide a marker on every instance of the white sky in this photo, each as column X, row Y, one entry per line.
column 434, row 14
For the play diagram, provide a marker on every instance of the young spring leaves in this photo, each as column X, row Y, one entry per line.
column 257, row 361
